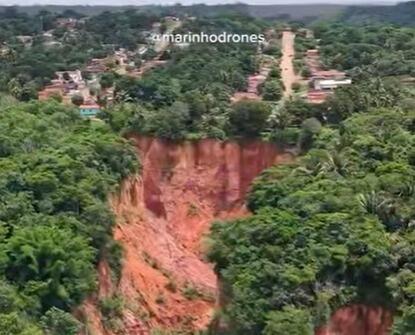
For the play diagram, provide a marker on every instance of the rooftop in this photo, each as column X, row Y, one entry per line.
column 89, row 106
column 335, row 82
column 329, row 73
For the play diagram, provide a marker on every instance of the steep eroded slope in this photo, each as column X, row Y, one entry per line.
column 162, row 218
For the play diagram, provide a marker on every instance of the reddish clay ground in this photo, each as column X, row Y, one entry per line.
column 359, row 320
column 163, row 217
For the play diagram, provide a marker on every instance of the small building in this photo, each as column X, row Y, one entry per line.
column 52, row 44
column 317, row 97
column 48, row 37
column 25, row 39
column 156, row 26
column 142, row 50
column 120, row 56
column 182, row 45
column 74, row 76
column 254, row 82
column 96, row 66
column 171, row 18
column 328, row 74
column 330, row 84
column 90, row 110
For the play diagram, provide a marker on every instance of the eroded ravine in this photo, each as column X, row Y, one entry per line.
column 163, row 216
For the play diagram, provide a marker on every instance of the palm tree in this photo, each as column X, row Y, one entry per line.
column 372, row 202
column 381, row 206
column 334, row 162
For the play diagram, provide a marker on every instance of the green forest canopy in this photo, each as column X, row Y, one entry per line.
column 400, row 14
column 381, row 49
column 56, row 171
column 334, row 227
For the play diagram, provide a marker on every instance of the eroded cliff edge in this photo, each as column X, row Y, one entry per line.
column 163, row 216
column 358, row 320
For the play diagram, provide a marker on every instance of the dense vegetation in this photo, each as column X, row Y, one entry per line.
column 283, row 12
column 334, row 227
column 380, row 49
column 56, row 171
column 401, row 14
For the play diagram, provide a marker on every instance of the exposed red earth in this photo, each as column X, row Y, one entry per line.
column 163, row 216
column 358, row 320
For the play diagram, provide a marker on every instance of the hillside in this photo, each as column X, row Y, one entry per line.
column 287, row 12
column 401, row 14
column 297, row 12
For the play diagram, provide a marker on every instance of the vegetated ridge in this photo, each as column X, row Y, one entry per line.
column 401, row 14
column 287, row 12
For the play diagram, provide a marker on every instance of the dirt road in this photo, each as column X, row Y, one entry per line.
column 162, row 44
column 287, row 67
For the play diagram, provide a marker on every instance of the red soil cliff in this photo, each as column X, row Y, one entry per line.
column 358, row 320
column 163, row 216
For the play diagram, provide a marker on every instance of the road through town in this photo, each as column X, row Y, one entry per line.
column 288, row 75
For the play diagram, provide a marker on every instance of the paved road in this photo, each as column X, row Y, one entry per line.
column 288, row 75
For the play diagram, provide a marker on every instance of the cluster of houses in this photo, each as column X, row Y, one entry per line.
column 48, row 39
column 68, row 84
column 322, row 83
column 254, row 82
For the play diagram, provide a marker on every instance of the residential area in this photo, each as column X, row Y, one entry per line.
column 322, row 83
column 84, row 87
